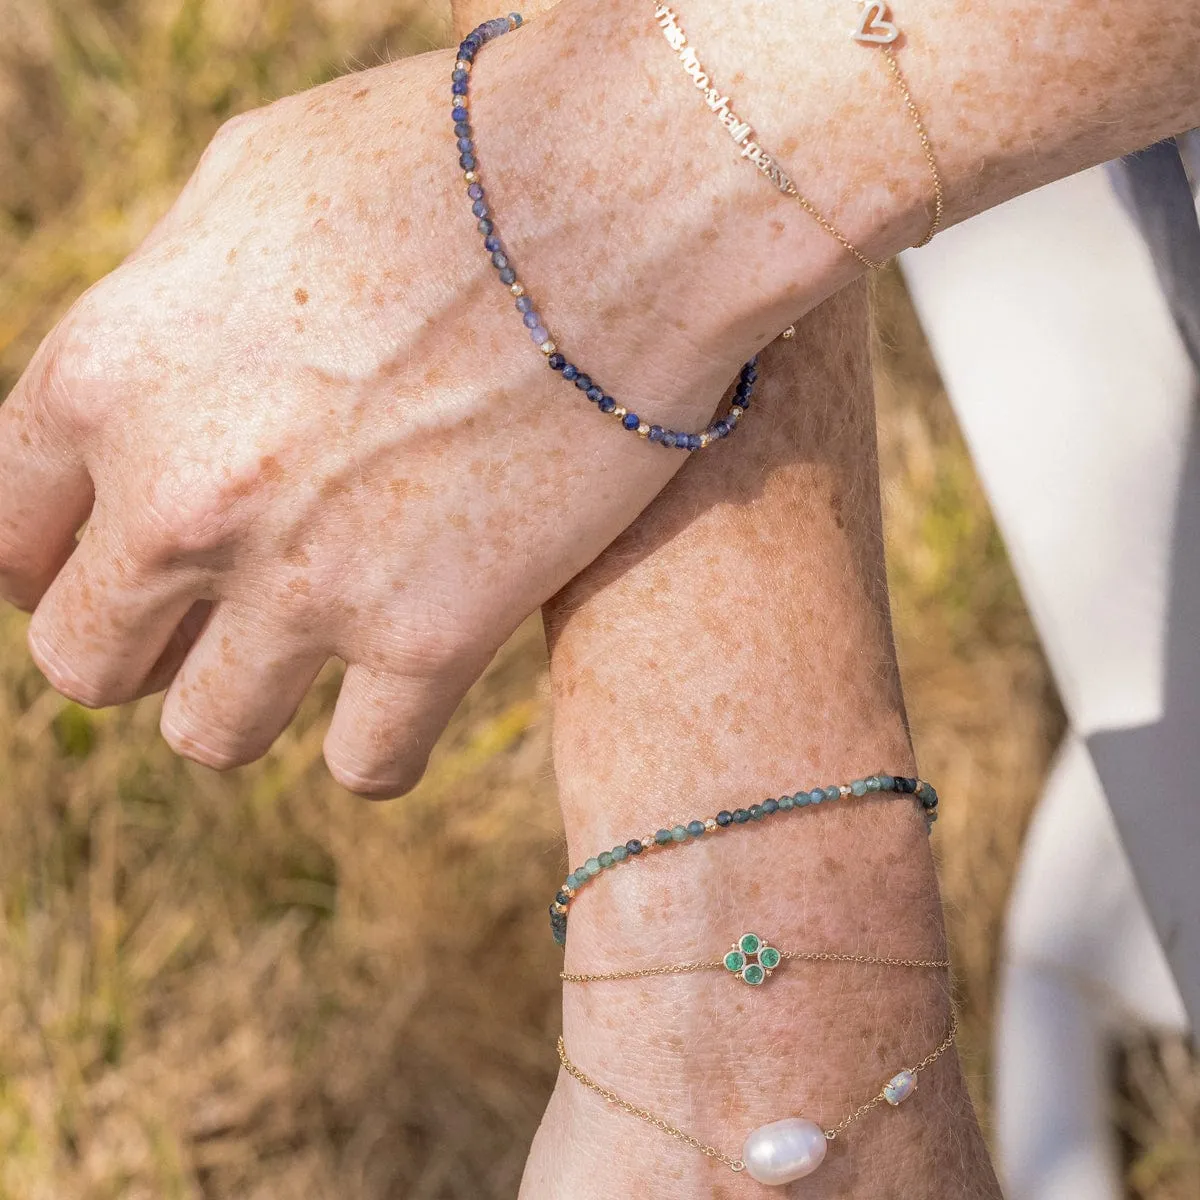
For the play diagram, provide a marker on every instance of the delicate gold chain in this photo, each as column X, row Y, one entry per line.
column 688, row 968
column 927, row 1061
column 736, row 1164
column 743, row 135
column 644, row 1114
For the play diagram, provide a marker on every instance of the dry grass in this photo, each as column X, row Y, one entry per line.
column 257, row 987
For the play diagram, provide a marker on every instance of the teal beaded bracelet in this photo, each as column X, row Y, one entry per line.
column 898, row 785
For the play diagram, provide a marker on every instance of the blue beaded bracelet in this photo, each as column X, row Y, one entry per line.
column 898, row 785
column 539, row 334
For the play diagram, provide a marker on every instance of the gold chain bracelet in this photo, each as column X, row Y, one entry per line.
column 752, row 959
column 781, row 1151
column 875, row 28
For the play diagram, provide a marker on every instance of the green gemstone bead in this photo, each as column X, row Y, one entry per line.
column 592, row 866
column 887, row 783
column 662, row 837
column 873, row 784
column 679, row 834
column 619, row 853
column 606, row 860
column 749, row 943
column 786, row 803
column 769, row 957
column 859, row 787
column 753, row 974
column 832, row 793
column 735, row 960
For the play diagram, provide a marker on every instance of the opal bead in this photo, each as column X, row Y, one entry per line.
column 784, row 1151
column 899, row 1087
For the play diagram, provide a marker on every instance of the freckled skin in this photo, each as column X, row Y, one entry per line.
column 153, row 403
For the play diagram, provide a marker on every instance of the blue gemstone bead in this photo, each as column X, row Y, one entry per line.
column 570, row 371
column 486, row 226
column 656, row 433
column 724, row 817
column 721, row 428
column 491, row 243
column 459, row 87
column 695, row 828
column 583, row 382
column 531, row 319
column 479, row 208
column 459, row 113
column 475, row 192
column 630, row 421
column 462, row 129
column 594, row 393
column 499, row 259
column 508, row 276
column 524, row 304
column 605, row 403
column 467, row 162
column 466, row 145
column 668, row 437
column 557, row 362
column 458, row 74
column 634, row 846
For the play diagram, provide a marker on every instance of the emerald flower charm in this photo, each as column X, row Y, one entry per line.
column 752, row 960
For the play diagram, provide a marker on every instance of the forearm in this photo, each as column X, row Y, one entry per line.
column 732, row 646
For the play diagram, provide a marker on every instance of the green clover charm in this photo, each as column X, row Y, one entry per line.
column 751, row 959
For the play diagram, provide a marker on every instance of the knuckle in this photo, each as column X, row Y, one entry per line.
column 205, row 744
column 227, row 144
column 181, row 521
column 374, row 781
column 63, row 678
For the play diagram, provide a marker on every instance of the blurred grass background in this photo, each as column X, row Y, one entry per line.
column 256, row 986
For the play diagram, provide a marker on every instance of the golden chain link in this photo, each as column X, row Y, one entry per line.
column 670, row 22
column 736, row 1164
column 644, row 1114
column 688, row 968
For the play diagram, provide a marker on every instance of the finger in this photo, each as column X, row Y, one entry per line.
column 384, row 727
column 45, row 491
column 237, row 690
column 103, row 624
column 178, row 648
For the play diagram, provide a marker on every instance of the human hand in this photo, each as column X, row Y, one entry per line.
column 306, row 403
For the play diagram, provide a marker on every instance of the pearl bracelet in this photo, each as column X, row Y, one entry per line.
column 781, row 1151
column 538, row 333
column 882, row 783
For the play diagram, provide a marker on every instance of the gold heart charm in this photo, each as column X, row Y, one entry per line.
column 874, row 27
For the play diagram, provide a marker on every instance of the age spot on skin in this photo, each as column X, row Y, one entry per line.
column 270, row 469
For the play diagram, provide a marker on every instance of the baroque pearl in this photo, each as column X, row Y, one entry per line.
column 784, row 1150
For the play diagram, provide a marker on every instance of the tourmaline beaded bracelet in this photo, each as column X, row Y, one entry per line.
column 538, row 333
column 897, row 785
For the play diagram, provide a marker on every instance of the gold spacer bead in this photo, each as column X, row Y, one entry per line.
column 470, row 177
column 648, row 842
column 844, row 789
column 711, row 824
column 788, row 333
column 547, row 348
column 559, row 908
column 462, row 65
column 517, row 289
column 569, row 892
column 704, row 440
column 619, row 411
column 643, row 430
column 736, row 412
